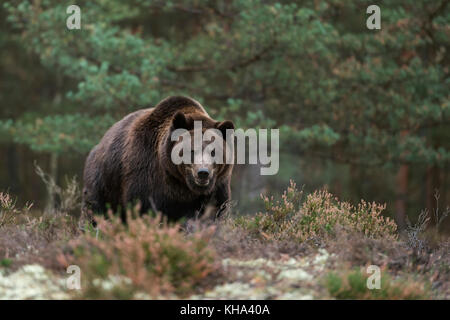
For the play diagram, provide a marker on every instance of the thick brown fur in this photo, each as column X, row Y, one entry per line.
column 132, row 163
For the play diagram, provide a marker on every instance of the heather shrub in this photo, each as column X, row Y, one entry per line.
column 8, row 209
column 321, row 212
column 316, row 218
column 147, row 254
column 352, row 284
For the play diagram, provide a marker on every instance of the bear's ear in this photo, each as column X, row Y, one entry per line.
column 223, row 126
column 179, row 121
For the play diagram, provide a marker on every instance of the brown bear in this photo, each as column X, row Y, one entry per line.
column 132, row 163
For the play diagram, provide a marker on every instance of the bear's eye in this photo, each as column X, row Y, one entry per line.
column 213, row 153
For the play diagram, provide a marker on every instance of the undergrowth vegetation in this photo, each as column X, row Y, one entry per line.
column 352, row 284
column 150, row 258
column 154, row 255
column 8, row 209
column 316, row 218
column 28, row 237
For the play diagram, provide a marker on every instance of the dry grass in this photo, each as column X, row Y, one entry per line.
column 25, row 239
column 8, row 210
column 36, row 240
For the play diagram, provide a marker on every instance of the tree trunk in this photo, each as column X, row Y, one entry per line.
column 13, row 173
column 53, row 175
column 401, row 194
column 432, row 184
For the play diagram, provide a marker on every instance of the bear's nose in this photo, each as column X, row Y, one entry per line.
column 203, row 173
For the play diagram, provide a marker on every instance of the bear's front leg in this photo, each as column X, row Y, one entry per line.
column 222, row 198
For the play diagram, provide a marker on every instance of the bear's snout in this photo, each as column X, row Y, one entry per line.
column 202, row 176
column 203, row 173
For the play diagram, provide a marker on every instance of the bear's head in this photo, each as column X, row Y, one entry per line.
column 201, row 151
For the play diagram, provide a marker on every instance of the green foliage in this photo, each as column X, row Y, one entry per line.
column 352, row 284
column 311, row 68
column 5, row 262
column 317, row 218
column 61, row 133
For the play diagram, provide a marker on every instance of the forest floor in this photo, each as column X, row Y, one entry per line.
column 313, row 248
